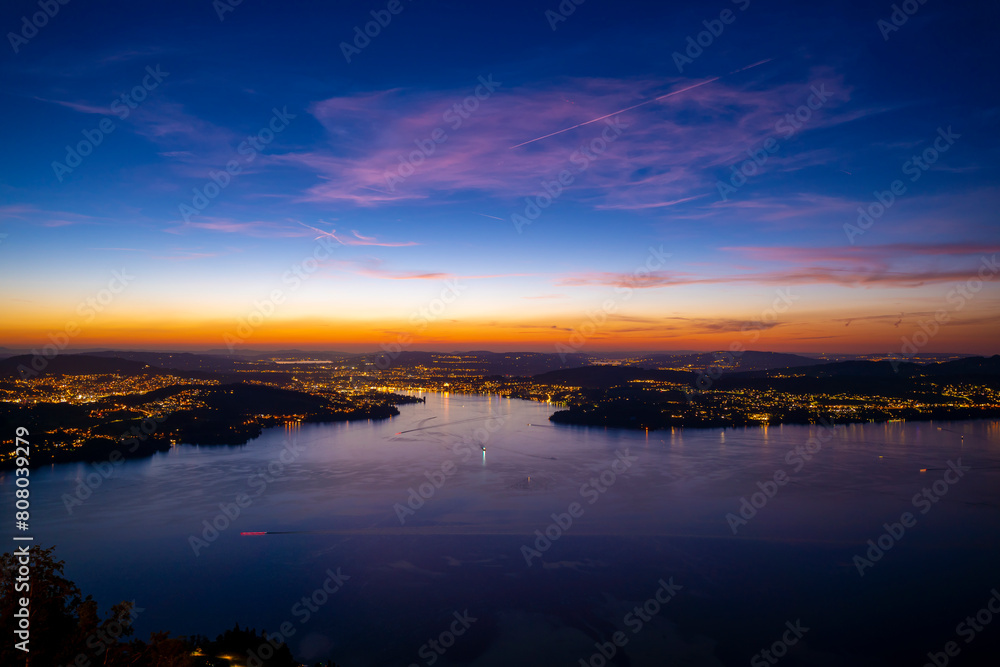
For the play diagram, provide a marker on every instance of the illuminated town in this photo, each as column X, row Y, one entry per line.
column 83, row 416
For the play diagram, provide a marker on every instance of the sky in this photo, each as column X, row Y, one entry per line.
column 785, row 176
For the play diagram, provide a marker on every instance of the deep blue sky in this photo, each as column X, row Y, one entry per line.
column 656, row 184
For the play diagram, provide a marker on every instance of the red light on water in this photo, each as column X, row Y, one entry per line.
column 262, row 532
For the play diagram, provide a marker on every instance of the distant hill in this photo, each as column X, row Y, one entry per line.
column 184, row 361
column 490, row 363
column 749, row 360
column 867, row 378
column 72, row 364
column 835, row 369
column 85, row 364
column 862, row 377
column 602, row 377
column 970, row 366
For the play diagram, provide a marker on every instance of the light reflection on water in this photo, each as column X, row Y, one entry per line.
column 338, row 495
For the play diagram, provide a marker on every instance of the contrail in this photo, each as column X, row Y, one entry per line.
column 634, row 106
column 332, row 234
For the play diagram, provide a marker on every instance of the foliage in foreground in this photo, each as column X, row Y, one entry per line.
column 68, row 631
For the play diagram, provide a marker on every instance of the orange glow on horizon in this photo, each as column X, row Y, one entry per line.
column 575, row 336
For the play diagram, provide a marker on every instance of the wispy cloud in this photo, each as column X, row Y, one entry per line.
column 31, row 213
column 372, row 267
column 78, row 106
column 18, row 211
column 174, row 254
column 255, row 228
column 863, row 254
column 845, row 277
column 664, row 157
column 187, row 255
column 679, row 91
column 723, row 325
column 358, row 239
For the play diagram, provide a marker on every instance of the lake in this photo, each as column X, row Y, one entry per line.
column 403, row 542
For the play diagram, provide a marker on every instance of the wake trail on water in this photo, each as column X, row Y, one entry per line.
column 439, row 425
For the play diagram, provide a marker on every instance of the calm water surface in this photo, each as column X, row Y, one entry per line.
column 336, row 494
